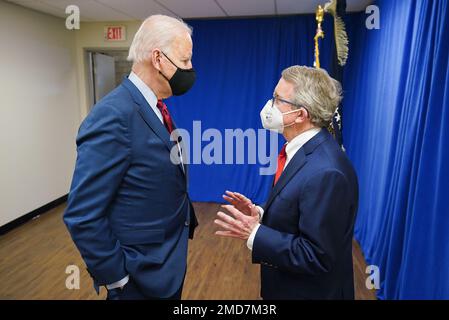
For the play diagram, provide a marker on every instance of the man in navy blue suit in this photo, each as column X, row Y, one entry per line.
column 129, row 211
column 302, row 237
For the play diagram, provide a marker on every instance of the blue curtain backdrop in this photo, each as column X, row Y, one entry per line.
column 396, row 123
column 238, row 64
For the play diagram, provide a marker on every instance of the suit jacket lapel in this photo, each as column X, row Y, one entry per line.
column 298, row 161
column 150, row 118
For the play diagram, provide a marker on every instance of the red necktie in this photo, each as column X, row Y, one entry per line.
column 282, row 157
column 165, row 115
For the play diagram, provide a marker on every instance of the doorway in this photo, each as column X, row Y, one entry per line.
column 106, row 70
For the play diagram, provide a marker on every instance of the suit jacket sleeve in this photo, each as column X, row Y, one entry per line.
column 103, row 146
column 322, row 226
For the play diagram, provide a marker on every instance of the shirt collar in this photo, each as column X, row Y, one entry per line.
column 147, row 93
column 297, row 142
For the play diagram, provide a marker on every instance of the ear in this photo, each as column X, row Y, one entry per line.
column 302, row 116
column 156, row 57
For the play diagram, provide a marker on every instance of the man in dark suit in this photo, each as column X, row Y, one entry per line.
column 302, row 237
column 128, row 210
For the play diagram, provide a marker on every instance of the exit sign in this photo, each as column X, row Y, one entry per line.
column 115, row 33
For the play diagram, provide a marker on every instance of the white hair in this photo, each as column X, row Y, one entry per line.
column 157, row 31
column 316, row 91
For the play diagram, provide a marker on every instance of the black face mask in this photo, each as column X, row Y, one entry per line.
column 182, row 81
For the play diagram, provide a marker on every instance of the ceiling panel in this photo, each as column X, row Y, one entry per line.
column 138, row 9
column 194, row 8
column 248, row 7
column 295, row 6
column 39, row 6
column 121, row 10
column 91, row 9
column 309, row 6
column 358, row 5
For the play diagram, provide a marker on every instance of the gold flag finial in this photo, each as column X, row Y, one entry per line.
column 319, row 34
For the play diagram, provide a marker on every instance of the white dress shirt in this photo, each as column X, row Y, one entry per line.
column 290, row 149
column 147, row 93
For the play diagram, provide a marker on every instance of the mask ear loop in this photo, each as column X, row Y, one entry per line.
column 288, row 112
column 160, row 72
column 164, row 76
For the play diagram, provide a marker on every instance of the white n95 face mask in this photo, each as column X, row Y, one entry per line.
column 272, row 118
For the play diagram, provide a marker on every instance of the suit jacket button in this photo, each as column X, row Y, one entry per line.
column 186, row 223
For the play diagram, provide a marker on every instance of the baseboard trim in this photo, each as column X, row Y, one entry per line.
column 27, row 217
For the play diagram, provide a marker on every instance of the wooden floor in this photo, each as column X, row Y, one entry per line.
column 34, row 257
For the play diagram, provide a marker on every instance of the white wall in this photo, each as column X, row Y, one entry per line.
column 39, row 110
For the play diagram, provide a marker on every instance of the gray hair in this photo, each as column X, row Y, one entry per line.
column 157, row 31
column 316, row 91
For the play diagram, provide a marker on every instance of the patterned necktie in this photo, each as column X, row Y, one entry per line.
column 282, row 158
column 165, row 115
